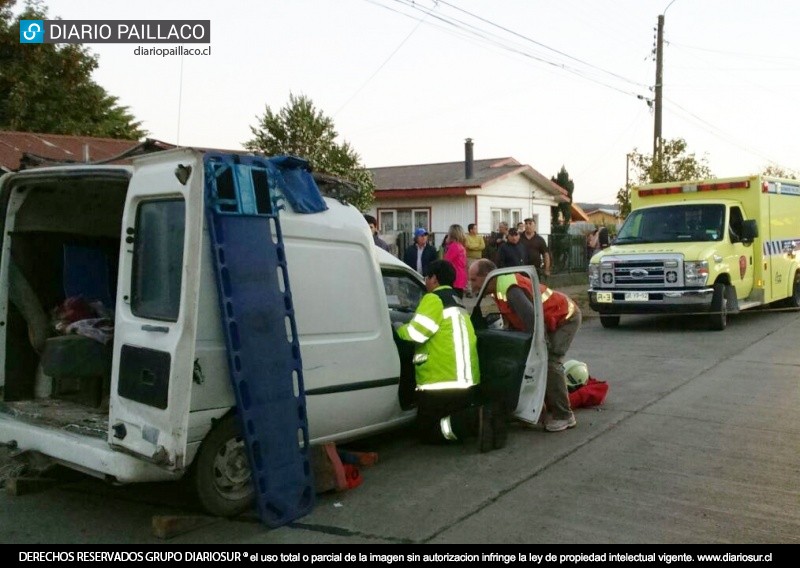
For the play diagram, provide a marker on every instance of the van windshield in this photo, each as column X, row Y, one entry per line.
column 674, row 223
column 403, row 293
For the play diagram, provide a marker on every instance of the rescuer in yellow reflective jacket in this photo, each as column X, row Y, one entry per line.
column 445, row 357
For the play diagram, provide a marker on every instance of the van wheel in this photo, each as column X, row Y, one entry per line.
column 609, row 321
column 718, row 318
column 222, row 478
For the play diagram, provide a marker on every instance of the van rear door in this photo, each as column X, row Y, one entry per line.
column 156, row 316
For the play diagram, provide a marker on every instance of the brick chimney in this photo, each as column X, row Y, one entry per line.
column 469, row 162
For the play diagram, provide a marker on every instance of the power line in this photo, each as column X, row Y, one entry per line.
column 554, row 50
column 502, row 43
column 481, row 32
column 735, row 53
column 381, row 66
column 721, row 134
column 609, row 146
column 466, row 30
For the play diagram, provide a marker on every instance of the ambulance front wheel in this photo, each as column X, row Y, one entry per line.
column 718, row 318
column 222, row 478
column 609, row 321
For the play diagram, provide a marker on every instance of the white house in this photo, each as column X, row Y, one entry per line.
column 486, row 192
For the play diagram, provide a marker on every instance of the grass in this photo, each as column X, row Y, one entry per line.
column 579, row 295
column 575, row 285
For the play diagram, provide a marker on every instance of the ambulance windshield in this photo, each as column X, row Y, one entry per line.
column 674, row 223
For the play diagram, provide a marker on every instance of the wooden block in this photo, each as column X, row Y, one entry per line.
column 168, row 526
column 328, row 468
column 17, row 486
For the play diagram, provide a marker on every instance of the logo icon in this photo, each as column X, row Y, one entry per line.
column 639, row 273
column 31, row 31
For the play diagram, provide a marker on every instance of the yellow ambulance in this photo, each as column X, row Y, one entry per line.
column 711, row 247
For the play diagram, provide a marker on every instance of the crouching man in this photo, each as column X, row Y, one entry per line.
column 513, row 294
column 445, row 359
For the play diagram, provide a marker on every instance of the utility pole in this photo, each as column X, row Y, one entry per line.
column 659, row 83
column 627, row 171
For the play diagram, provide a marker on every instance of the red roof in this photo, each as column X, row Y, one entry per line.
column 448, row 179
column 18, row 149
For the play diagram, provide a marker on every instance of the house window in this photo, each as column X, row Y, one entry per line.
column 403, row 220
column 387, row 221
column 510, row 216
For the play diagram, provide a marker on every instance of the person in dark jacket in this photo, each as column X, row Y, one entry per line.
column 603, row 239
column 538, row 251
column 373, row 226
column 419, row 255
column 512, row 252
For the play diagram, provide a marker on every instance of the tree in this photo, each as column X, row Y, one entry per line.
column 560, row 218
column 49, row 88
column 673, row 164
column 301, row 130
column 564, row 210
column 775, row 170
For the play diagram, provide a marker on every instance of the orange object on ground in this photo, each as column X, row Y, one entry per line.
column 358, row 458
column 353, row 476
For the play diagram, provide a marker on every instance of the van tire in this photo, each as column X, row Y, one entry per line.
column 609, row 322
column 221, row 478
column 718, row 318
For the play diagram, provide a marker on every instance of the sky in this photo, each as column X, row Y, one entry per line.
column 550, row 83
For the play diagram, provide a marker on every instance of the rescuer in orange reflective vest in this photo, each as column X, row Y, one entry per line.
column 513, row 294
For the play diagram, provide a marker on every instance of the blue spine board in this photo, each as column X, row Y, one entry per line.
column 261, row 334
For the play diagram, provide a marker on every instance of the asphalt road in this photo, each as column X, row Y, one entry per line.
column 697, row 442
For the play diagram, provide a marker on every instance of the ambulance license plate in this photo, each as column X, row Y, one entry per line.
column 636, row 296
column 604, row 298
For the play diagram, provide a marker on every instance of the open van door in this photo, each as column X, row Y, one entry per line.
column 513, row 363
column 157, row 303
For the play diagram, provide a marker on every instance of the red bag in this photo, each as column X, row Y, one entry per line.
column 352, row 475
column 593, row 393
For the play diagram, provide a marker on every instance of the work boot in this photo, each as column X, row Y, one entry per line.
column 485, row 428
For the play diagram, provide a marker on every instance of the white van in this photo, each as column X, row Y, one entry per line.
column 222, row 272
column 138, row 239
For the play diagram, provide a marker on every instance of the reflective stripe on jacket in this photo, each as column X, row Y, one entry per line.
column 557, row 307
column 446, row 354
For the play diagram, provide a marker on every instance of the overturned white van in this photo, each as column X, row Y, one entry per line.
column 251, row 318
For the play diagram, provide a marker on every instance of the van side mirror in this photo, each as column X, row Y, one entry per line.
column 749, row 231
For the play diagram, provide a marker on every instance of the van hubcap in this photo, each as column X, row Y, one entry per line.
column 232, row 471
